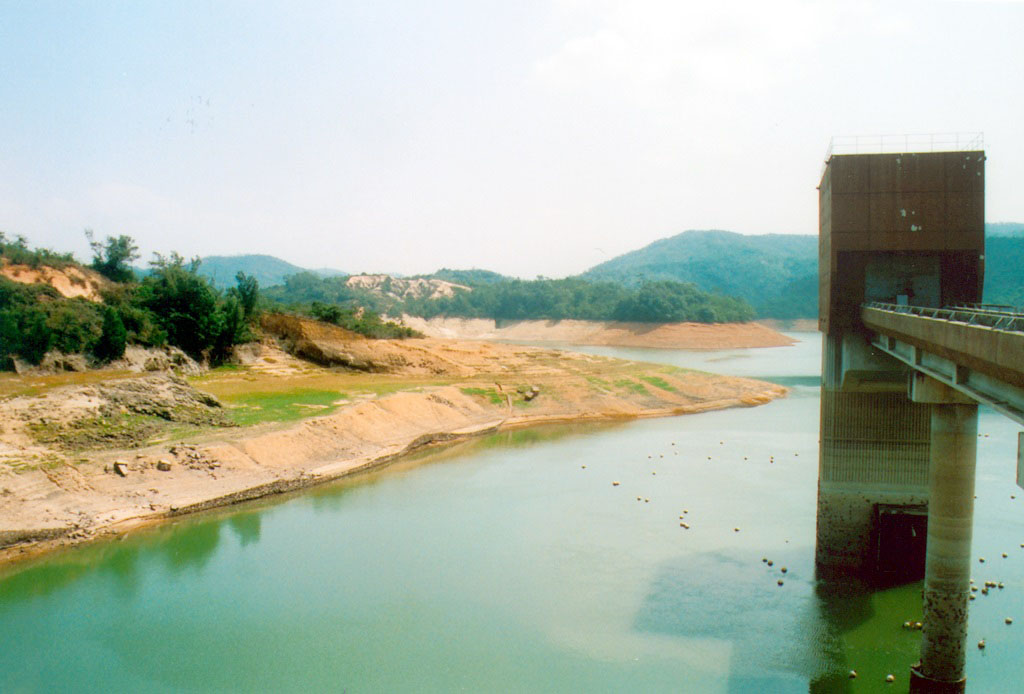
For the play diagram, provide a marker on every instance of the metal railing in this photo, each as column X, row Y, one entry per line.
column 986, row 315
column 899, row 144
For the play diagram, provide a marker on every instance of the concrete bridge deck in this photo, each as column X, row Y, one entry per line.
column 977, row 351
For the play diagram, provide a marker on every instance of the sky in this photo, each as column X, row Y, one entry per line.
column 536, row 137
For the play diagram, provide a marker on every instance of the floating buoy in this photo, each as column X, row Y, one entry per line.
column 918, row 626
column 1000, row 586
column 981, row 644
column 981, row 560
column 984, row 591
column 735, row 530
column 615, row 484
column 971, row 596
column 907, row 625
column 853, row 674
column 764, row 559
column 684, row 526
column 890, row 678
column 647, row 501
column 1009, row 620
column 583, row 466
column 1004, row 555
column 770, row 562
column 779, row 581
column 783, row 569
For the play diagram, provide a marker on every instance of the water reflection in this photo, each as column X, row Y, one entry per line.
column 247, row 526
column 192, row 546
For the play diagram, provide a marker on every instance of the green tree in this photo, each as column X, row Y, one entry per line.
column 183, row 303
column 113, row 338
column 112, row 258
column 248, row 293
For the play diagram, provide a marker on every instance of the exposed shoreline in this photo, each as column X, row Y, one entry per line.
column 694, row 336
column 53, row 506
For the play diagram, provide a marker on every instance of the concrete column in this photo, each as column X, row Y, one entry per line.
column 954, row 433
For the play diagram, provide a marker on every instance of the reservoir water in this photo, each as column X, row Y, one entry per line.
column 512, row 563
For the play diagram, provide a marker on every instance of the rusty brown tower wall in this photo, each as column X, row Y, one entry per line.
column 900, row 228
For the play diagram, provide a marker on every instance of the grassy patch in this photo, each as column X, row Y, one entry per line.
column 281, row 406
column 228, row 368
column 631, row 386
column 120, row 431
column 490, row 393
column 658, row 382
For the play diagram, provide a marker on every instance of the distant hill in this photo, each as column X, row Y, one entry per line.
column 775, row 273
column 778, row 273
column 1004, row 270
column 268, row 270
column 1004, row 229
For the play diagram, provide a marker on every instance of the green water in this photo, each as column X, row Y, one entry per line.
column 504, row 565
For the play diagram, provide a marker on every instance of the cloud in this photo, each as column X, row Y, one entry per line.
column 654, row 46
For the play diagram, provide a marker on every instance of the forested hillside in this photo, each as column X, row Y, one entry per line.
column 172, row 305
column 775, row 273
column 513, row 299
column 1004, row 270
column 778, row 274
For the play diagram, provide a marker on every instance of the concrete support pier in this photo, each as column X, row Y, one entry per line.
column 954, row 435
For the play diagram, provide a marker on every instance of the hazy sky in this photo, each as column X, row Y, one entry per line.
column 528, row 137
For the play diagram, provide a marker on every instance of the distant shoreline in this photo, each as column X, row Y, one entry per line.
column 695, row 336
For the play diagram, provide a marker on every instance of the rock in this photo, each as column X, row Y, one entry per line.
column 121, row 468
column 55, row 362
column 246, row 353
column 163, row 466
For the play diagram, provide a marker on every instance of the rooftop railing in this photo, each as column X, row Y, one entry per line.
column 899, row 144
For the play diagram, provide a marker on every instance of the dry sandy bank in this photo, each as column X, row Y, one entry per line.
column 611, row 333
column 53, row 495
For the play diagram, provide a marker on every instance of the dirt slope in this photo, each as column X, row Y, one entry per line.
column 70, row 281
